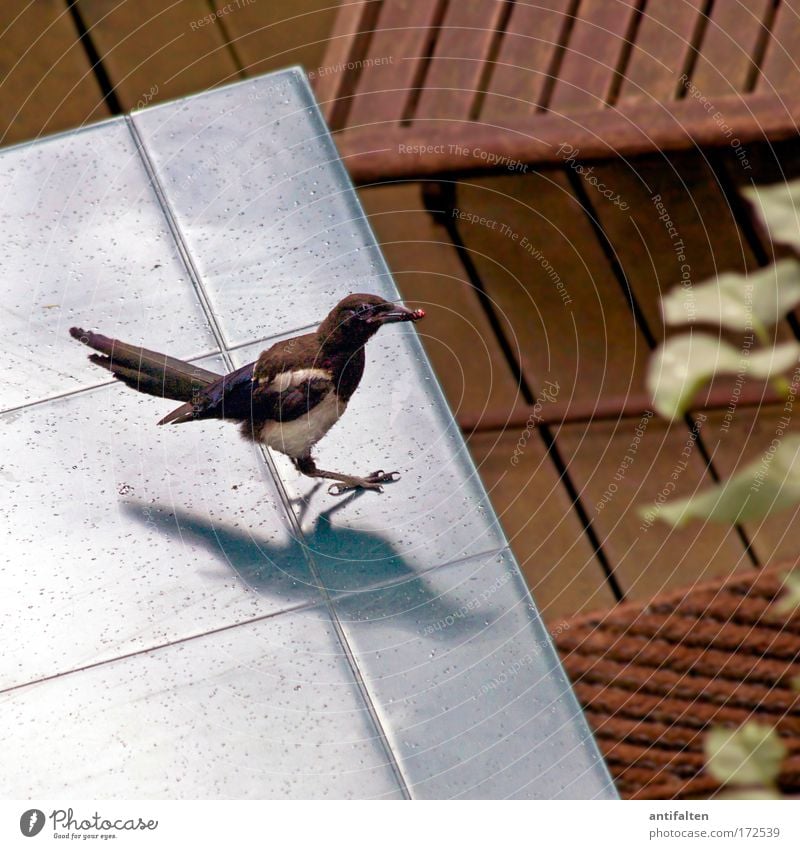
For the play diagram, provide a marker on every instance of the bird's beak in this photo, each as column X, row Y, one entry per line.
column 396, row 313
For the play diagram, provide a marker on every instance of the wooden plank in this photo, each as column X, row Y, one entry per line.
column 780, row 70
column 659, row 54
column 645, row 252
column 456, row 332
column 398, row 51
column 740, row 436
column 350, row 30
column 677, row 228
column 616, row 475
column 680, row 228
column 154, row 51
column 456, row 69
column 767, row 162
column 725, row 64
column 613, row 407
column 46, row 82
column 678, row 232
column 632, row 130
column 521, row 75
column 624, row 349
column 270, row 36
column 558, row 299
column 593, row 53
column 546, row 536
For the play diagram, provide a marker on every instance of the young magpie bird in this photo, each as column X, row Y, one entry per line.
column 288, row 399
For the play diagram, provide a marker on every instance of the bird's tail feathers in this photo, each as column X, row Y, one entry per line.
column 185, row 413
column 147, row 371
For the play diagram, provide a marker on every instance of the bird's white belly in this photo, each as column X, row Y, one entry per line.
column 296, row 438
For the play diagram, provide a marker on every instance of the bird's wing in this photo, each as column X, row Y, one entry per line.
column 290, row 394
column 230, row 397
column 269, row 389
column 289, row 380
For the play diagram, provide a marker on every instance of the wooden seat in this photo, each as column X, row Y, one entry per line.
column 410, row 86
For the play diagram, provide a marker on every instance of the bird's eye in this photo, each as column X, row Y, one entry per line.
column 363, row 309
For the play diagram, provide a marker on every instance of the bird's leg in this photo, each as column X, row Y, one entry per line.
column 344, row 483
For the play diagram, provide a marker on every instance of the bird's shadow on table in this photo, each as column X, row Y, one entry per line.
column 360, row 569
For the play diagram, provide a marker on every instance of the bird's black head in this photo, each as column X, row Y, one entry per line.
column 358, row 317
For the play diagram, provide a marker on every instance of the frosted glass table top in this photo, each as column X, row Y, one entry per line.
column 185, row 616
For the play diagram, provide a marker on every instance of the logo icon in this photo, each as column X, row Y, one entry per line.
column 31, row 822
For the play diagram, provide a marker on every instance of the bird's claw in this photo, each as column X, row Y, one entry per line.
column 372, row 481
column 341, row 488
column 383, row 477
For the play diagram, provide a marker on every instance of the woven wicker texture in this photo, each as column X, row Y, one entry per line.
column 653, row 678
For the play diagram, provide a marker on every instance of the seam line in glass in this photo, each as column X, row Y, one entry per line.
column 160, row 647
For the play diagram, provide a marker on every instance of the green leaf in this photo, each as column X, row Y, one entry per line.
column 751, row 302
column 778, row 207
column 767, row 485
column 790, row 600
column 679, row 367
column 745, row 756
column 749, row 793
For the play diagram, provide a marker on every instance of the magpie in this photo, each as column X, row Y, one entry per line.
column 288, row 399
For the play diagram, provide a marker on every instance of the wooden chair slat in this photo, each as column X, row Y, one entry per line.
column 351, row 30
column 545, row 534
column 46, row 82
column 595, row 47
column 394, row 62
column 678, row 230
column 677, row 226
column 594, row 66
column 647, row 561
column 658, row 57
column 646, row 127
column 725, row 62
column 456, row 69
column 558, row 299
column 428, row 271
column 520, row 76
column 268, row 36
column 781, row 68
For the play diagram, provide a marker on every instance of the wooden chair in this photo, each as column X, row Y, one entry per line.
column 418, row 89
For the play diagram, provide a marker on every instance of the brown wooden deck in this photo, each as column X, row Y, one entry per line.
column 534, row 278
